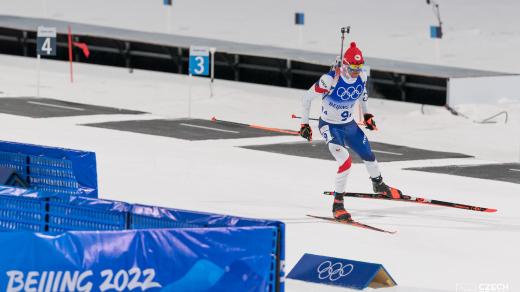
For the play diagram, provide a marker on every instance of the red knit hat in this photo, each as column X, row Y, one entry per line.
column 353, row 55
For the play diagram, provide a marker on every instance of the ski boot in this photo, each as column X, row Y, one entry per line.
column 381, row 188
column 338, row 210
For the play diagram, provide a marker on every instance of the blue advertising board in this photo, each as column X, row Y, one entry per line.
column 340, row 272
column 199, row 61
column 299, row 18
column 435, row 32
column 138, row 260
column 46, row 41
column 60, row 242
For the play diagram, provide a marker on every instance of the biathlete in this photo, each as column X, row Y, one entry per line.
column 339, row 90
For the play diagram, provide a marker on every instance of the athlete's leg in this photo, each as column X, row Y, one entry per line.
column 344, row 160
column 372, row 168
column 341, row 155
column 357, row 141
column 334, row 138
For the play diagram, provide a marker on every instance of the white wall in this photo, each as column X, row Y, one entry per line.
column 484, row 90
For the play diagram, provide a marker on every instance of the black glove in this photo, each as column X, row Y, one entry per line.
column 369, row 122
column 306, row 132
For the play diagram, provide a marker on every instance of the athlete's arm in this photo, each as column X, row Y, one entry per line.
column 321, row 88
column 364, row 96
column 368, row 118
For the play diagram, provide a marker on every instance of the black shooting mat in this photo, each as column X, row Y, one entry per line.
column 50, row 108
column 189, row 129
column 508, row 172
column 384, row 152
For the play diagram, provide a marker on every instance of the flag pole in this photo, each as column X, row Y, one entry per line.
column 212, row 79
column 38, row 80
column 190, row 78
column 70, row 53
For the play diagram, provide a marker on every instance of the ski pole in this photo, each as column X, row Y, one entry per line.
column 293, row 116
column 270, row 129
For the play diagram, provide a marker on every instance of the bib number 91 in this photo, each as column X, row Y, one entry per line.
column 345, row 115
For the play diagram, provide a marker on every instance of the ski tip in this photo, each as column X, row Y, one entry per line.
column 489, row 210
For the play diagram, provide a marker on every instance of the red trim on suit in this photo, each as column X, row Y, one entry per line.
column 345, row 166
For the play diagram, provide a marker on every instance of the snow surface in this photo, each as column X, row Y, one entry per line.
column 434, row 249
column 478, row 34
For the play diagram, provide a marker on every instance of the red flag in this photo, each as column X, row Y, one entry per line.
column 83, row 47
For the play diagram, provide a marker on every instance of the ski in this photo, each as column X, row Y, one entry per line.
column 417, row 200
column 352, row 223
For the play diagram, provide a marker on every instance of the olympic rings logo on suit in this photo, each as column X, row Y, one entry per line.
column 350, row 92
column 333, row 271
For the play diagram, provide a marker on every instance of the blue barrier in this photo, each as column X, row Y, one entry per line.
column 21, row 213
column 184, row 250
column 50, row 169
column 156, row 259
column 80, row 213
column 341, row 272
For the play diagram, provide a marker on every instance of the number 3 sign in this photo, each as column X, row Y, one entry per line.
column 199, row 61
column 46, row 41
